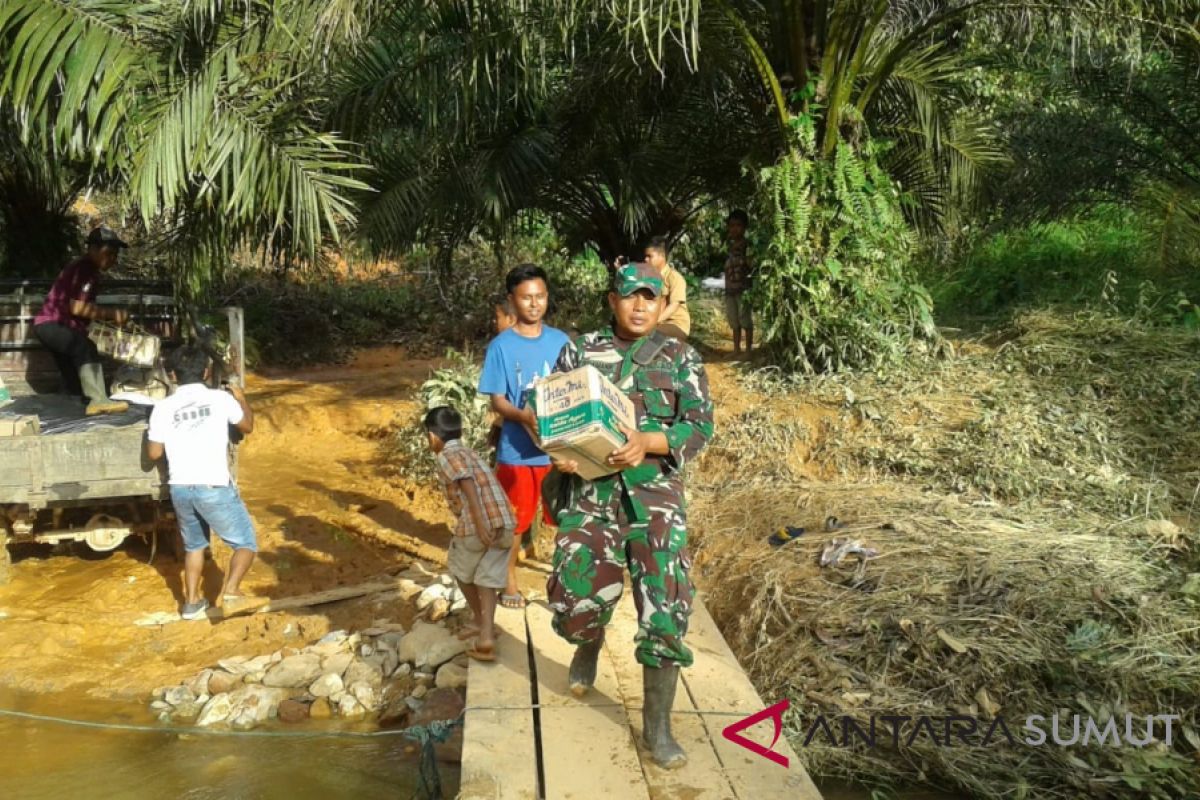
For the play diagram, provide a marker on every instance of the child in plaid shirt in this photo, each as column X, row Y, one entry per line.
column 478, row 555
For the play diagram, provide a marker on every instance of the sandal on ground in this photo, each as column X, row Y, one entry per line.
column 482, row 653
column 467, row 633
column 784, row 535
column 516, row 601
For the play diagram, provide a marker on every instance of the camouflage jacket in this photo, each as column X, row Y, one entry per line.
column 670, row 395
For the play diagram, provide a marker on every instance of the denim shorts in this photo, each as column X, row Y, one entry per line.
column 203, row 509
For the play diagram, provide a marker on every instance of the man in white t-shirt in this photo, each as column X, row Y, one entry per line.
column 191, row 427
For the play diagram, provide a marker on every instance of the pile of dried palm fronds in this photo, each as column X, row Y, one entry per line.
column 1090, row 411
column 969, row 610
column 1028, row 566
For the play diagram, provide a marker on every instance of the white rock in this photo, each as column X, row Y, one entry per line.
column 328, row 684
column 424, row 678
column 277, row 656
column 337, row 663
column 215, row 711
column 429, row 594
column 160, row 705
column 294, row 671
column 451, row 676
column 367, row 697
column 402, row 670
column 430, row 645
column 254, row 677
column 409, row 589
column 254, row 704
column 202, row 699
column 360, row 671
column 329, row 648
column 348, row 706
column 439, row 609
column 334, row 637
column 199, row 683
column 391, row 640
column 179, row 695
column 446, row 580
column 233, row 664
column 188, row 710
column 366, row 650
column 420, row 691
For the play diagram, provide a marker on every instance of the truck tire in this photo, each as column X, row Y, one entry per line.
column 5, row 558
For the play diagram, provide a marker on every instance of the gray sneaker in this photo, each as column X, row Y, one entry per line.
column 194, row 610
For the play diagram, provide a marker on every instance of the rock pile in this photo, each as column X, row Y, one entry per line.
column 402, row 677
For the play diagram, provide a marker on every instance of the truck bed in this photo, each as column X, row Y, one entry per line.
column 77, row 458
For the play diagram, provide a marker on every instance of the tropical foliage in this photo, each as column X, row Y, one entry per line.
column 275, row 128
column 203, row 113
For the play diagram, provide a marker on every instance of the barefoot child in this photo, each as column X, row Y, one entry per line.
column 478, row 557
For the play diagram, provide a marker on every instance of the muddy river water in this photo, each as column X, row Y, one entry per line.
column 44, row 760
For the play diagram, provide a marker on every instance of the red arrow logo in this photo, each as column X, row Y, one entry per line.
column 775, row 712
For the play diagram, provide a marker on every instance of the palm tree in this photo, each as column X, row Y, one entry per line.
column 204, row 114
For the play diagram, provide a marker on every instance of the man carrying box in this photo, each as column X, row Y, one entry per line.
column 634, row 518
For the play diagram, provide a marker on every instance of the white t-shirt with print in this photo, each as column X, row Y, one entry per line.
column 193, row 426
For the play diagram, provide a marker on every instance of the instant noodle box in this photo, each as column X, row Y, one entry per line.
column 580, row 414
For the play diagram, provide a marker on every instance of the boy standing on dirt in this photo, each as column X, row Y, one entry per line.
column 191, row 427
column 478, row 557
column 635, row 517
column 515, row 359
column 739, row 275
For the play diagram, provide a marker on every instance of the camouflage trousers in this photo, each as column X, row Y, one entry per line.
column 590, row 558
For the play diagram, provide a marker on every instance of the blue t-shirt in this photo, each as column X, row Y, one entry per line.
column 509, row 368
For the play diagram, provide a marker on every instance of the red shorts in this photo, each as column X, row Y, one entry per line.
column 523, row 485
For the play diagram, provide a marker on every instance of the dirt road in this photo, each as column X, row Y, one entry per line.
column 313, row 481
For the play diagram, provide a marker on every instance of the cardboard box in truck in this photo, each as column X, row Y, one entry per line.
column 580, row 414
column 19, row 425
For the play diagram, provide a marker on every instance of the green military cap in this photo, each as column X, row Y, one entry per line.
column 631, row 277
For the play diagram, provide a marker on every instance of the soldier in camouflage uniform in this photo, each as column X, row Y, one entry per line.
column 635, row 517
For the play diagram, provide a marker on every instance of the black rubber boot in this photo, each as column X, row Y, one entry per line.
column 582, row 675
column 658, row 688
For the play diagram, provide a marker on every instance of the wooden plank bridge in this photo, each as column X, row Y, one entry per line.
column 527, row 738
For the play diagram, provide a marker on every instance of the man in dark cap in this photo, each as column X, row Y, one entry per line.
column 69, row 309
column 634, row 518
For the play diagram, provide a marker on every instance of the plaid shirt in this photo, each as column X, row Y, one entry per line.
column 458, row 462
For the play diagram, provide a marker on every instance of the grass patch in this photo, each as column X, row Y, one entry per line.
column 1103, row 258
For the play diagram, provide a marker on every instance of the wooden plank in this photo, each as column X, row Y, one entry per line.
column 499, row 759
column 265, row 605
column 587, row 745
column 702, row 778
column 717, row 683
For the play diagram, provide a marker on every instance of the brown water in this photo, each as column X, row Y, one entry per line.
column 51, row 761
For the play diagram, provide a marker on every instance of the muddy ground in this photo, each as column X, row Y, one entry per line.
column 309, row 474
column 328, row 510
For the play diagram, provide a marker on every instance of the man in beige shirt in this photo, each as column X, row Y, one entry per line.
column 675, row 320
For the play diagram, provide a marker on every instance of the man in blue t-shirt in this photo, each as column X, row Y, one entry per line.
column 526, row 351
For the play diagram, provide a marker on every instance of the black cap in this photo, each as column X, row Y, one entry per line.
column 105, row 236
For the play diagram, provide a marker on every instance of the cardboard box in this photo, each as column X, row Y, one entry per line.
column 19, row 425
column 580, row 414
